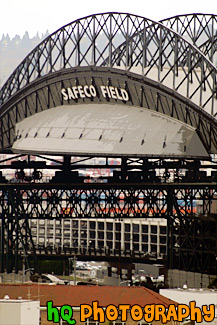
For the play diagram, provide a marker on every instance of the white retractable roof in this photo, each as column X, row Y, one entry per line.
column 106, row 130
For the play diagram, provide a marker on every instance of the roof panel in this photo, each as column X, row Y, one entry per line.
column 107, row 130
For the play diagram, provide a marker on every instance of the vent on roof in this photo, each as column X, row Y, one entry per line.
column 164, row 143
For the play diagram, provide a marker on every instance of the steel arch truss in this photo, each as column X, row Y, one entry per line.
column 143, row 92
column 124, row 40
column 200, row 29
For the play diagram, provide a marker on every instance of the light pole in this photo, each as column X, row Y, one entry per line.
column 74, row 265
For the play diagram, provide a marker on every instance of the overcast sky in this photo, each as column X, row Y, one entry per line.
column 18, row 16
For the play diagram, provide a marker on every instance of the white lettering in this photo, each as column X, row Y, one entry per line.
column 117, row 94
column 75, row 90
column 92, row 91
column 70, row 93
column 65, row 96
column 81, row 91
column 87, row 94
column 124, row 94
column 113, row 94
column 103, row 90
column 108, row 91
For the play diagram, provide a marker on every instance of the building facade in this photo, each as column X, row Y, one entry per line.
column 143, row 236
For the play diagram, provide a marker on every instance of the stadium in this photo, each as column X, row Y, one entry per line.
column 122, row 88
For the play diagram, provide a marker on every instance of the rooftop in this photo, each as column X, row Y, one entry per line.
column 76, row 295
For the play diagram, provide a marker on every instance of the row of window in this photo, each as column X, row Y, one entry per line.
column 143, row 247
column 101, row 235
column 106, row 226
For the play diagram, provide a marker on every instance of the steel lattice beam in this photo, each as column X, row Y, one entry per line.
column 201, row 29
column 119, row 39
column 46, row 93
column 191, row 239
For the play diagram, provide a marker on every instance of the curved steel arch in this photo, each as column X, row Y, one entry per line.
column 200, row 29
column 154, row 50
column 45, row 93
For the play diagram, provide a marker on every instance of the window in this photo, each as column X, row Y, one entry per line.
column 83, row 224
column 118, row 227
column 163, row 249
column 163, row 230
column 66, row 234
column 83, row 243
column 135, row 228
column 153, row 229
column 145, row 238
column 145, row 248
column 75, row 223
column 109, row 244
column 92, row 225
column 127, row 237
column 135, row 247
column 101, row 243
column 127, row 246
column 75, row 233
column 109, row 235
column 145, row 229
column 75, row 243
column 109, row 226
column 117, row 245
column 153, row 239
column 101, row 235
column 163, row 239
column 136, row 237
column 67, row 224
column 153, row 248
column 83, row 234
column 41, row 231
column 127, row 227
column 92, row 234
column 101, row 225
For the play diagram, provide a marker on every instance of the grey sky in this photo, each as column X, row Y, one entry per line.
column 18, row 16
